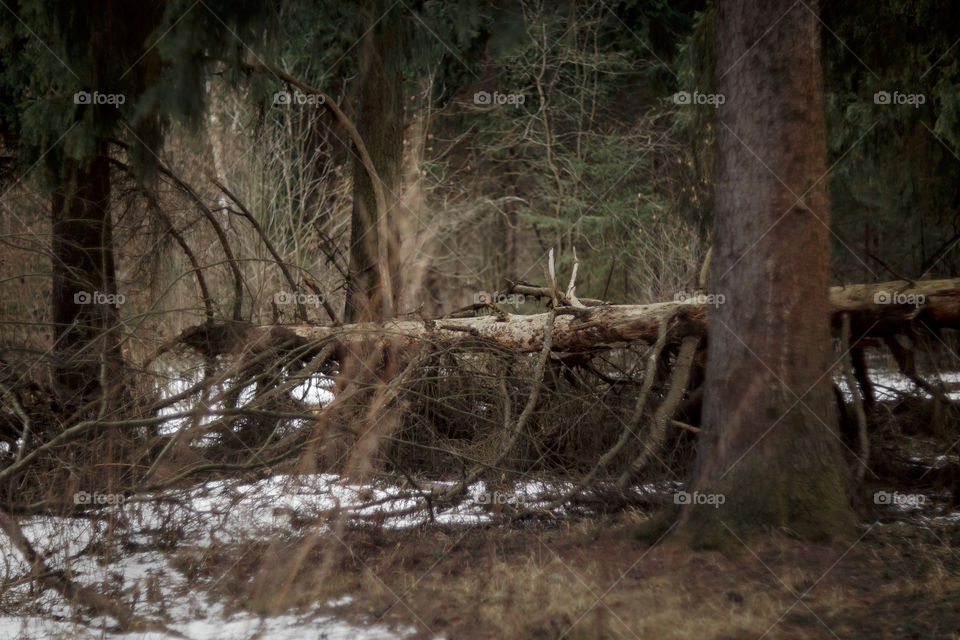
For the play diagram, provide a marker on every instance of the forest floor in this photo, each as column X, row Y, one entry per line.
column 261, row 557
column 593, row 579
column 213, row 566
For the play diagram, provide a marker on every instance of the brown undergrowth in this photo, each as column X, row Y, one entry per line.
column 593, row 579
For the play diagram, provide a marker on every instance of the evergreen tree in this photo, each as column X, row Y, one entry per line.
column 77, row 76
column 769, row 445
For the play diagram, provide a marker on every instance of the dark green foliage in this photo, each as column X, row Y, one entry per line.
column 896, row 185
column 895, row 172
column 153, row 54
column 589, row 149
column 319, row 42
column 697, row 123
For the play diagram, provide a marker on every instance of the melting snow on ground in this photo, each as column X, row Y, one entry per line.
column 214, row 514
column 222, row 513
column 891, row 385
column 217, row 513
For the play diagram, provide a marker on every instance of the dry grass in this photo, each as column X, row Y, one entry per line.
column 592, row 579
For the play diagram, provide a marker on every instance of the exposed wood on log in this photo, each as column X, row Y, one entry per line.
column 599, row 328
column 875, row 310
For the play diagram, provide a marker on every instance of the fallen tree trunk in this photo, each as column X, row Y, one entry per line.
column 875, row 310
column 576, row 329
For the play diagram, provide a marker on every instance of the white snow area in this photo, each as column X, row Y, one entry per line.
column 214, row 514
column 314, row 390
column 890, row 385
column 199, row 621
column 217, row 513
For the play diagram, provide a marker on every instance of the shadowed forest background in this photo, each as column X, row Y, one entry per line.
column 479, row 319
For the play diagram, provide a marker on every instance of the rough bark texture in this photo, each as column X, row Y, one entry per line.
column 83, row 266
column 86, row 343
column 769, row 442
column 380, row 124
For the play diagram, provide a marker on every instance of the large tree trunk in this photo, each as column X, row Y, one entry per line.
column 380, row 123
column 84, row 283
column 770, row 442
column 84, row 312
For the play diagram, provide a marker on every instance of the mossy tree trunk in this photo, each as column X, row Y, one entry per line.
column 770, row 442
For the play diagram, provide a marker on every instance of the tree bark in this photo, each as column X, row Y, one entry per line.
column 84, row 319
column 369, row 290
column 769, row 444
